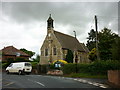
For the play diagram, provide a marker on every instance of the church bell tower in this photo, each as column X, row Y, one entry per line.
column 50, row 22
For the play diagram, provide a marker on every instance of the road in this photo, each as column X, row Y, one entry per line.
column 41, row 81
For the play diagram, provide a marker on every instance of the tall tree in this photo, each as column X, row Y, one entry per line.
column 106, row 39
column 91, row 39
column 92, row 55
column 107, row 42
column 69, row 56
column 28, row 52
column 116, row 49
column 37, row 59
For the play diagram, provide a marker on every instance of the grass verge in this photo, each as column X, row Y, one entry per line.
column 86, row 75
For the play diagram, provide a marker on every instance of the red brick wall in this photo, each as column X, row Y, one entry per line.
column 4, row 58
column 114, row 77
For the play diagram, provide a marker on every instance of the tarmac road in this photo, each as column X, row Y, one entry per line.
column 40, row 81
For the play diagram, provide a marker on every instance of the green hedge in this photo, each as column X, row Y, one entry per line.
column 34, row 65
column 69, row 68
column 43, row 68
column 4, row 65
column 94, row 68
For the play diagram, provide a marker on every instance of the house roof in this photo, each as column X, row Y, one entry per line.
column 10, row 50
column 70, row 42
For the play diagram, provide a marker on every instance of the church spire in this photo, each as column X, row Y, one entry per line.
column 50, row 22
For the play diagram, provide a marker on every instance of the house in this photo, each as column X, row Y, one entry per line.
column 57, row 44
column 11, row 52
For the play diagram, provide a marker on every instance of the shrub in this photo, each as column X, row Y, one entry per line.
column 69, row 68
column 4, row 65
column 83, row 68
column 95, row 68
column 52, row 66
column 19, row 59
column 101, row 67
column 34, row 65
column 43, row 68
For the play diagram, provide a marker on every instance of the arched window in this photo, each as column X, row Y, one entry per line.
column 46, row 52
column 42, row 53
column 54, row 51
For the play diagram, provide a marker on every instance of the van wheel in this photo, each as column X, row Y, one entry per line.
column 7, row 72
column 20, row 72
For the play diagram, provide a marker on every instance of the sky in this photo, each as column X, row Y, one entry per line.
column 24, row 24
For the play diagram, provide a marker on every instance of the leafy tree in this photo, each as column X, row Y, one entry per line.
column 37, row 59
column 10, row 60
column 69, row 56
column 106, row 39
column 116, row 49
column 106, row 43
column 28, row 52
column 91, row 39
column 92, row 54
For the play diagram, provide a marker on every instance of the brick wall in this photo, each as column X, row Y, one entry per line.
column 114, row 77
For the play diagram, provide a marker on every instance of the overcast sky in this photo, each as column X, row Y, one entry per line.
column 24, row 24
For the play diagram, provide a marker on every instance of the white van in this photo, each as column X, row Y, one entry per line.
column 19, row 67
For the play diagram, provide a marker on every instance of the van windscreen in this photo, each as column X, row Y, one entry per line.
column 27, row 64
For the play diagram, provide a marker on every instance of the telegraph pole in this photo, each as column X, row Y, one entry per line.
column 76, row 58
column 96, row 27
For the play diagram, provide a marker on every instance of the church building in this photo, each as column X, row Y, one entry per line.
column 56, row 46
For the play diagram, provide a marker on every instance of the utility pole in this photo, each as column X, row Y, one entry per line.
column 96, row 27
column 76, row 58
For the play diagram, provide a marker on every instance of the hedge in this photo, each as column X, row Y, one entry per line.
column 98, row 67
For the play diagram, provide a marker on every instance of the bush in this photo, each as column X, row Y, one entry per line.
column 101, row 67
column 34, row 65
column 19, row 59
column 52, row 66
column 96, row 68
column 69, row 68
column 83, row 68
column 4, row 65
column 43, row 68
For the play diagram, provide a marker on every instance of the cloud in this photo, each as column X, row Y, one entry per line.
column 24, row 23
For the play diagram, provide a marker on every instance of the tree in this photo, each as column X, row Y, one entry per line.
column 116, row 49
column 28, row 52
column 91, row 39
column 106, row 40
column 92, row 54
column 69, row 56
column 37, row 59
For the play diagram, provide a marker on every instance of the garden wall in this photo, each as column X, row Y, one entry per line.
column 114, row 77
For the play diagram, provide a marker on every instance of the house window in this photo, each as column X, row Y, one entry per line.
column 17, row 54
column 46, row 52
column 54, row 51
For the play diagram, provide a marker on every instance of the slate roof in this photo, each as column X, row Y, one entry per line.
column 10, row 50
column 70, row 42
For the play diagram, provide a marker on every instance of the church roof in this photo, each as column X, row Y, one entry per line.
column 70, row 42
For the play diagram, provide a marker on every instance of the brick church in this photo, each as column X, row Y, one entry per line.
column 57, row 44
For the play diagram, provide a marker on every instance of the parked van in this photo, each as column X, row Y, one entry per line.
column 19, row 67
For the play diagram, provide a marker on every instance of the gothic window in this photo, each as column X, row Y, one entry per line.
column 42, row 53
column 46, row 52
column 54, row 51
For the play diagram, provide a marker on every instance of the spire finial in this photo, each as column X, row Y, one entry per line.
column 50, row 15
